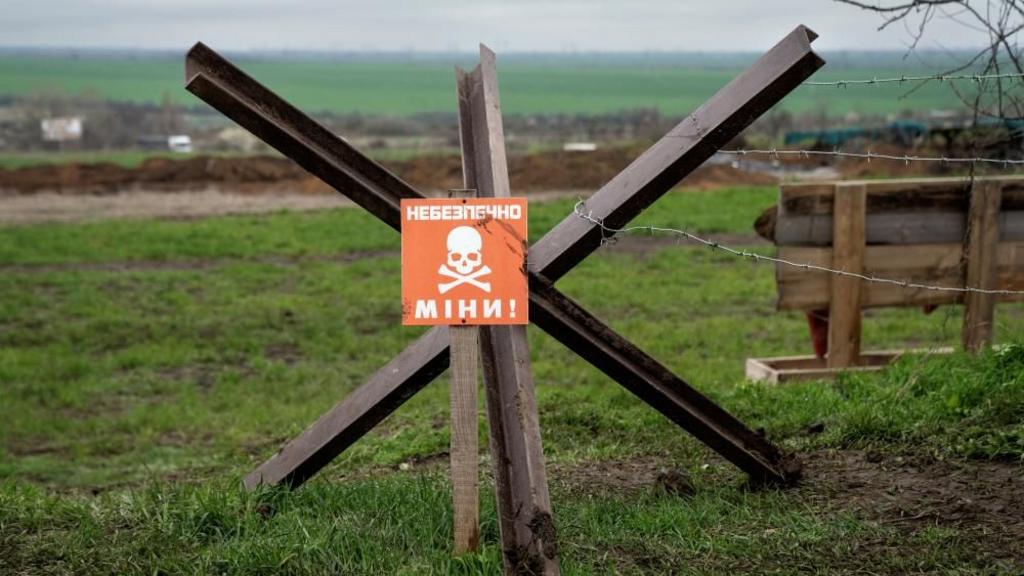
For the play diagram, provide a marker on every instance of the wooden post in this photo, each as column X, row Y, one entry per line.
column 464, row 448
column 982, row 243
column 848, row 215
column 528, row 539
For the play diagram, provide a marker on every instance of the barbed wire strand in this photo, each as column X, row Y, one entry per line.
column 609, row 233
column 869, row 156
column 901, row 79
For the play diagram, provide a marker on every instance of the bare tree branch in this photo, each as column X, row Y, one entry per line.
column 997, row 24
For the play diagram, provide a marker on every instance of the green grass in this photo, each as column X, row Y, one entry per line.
column 398, row 88
column 125, row 158
column 145, row 366
column 132, row 158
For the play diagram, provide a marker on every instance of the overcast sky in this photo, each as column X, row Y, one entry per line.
column 446, row 25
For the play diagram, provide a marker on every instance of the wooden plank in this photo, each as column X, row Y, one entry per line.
column 525, row 518
column 903, row 195
column 784, row 369
column 681, row 151
column 934, row 264
column 894, row 228
column 982, row 261
column 905, row 211
column 464, row 451
column 848, row 256
column 359, row 412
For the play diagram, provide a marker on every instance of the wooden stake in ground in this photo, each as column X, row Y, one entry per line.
column 464, row 448
column 982, row 245
column 528, row 539
column 848, row 215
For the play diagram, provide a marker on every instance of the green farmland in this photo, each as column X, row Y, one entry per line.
column 394, row 87
column 146, row 366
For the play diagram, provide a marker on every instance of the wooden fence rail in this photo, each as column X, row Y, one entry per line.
column 951, row 232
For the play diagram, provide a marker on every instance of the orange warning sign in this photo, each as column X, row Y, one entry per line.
column 464, row 261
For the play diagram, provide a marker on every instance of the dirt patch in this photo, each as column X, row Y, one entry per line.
column 554, row 170
column 206, row 186
column 284, row 352
column 914, row 492
column 615, row 476
column 35, row 446
column 197, row 264
column 190, row 205
column 911, row 490
column 203, row 375
column 907, row 492
column 186, row 205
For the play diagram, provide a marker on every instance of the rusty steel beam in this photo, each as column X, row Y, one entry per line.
column 681, row 151
column 656, row 385
column 238, row 96
column 524, row 504
column 228, row 89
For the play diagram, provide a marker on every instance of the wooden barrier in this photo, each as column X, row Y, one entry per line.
column 937, row 231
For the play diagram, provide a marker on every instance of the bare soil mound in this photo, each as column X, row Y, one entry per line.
column 269, row 174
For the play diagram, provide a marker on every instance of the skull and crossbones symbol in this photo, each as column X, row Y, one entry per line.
column 465, row 260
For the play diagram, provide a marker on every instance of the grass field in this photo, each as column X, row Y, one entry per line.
column 405, row 87
column 133, row 158
column 145, row 366
column 126, row 158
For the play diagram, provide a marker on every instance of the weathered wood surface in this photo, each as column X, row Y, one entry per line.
column 848, row 256
column 913, row 211
column 933, row 264
column 525, row 519
column 786, row 369
column 257, row 109
column 902, row 195
column 982, row 244
column 895, row 228
column 464, row 451
column 464, row 446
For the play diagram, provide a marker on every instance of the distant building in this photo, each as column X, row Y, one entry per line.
column 175, row 143
column 579, row 146
column 62, row 129
column 180, row 143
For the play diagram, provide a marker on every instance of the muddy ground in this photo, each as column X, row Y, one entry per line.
column 213, row 185
column 983, row 500
column 268, row 174
column 209, row 186
column 909, row 491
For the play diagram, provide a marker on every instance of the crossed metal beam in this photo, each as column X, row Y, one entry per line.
column 215, row 80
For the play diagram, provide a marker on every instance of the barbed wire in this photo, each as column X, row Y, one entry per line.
column 608, row 234
column 904, row 78
column 906, row 158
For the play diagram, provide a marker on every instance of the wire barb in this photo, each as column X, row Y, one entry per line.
column 977, row 78
column 610, row 233
column 869, row 156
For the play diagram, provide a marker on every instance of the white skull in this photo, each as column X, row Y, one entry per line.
column 464, row 245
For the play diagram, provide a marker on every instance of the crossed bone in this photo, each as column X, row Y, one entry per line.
column 470, row 278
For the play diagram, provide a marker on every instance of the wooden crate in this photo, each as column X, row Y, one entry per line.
column 784, row 369
column 915, row 234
